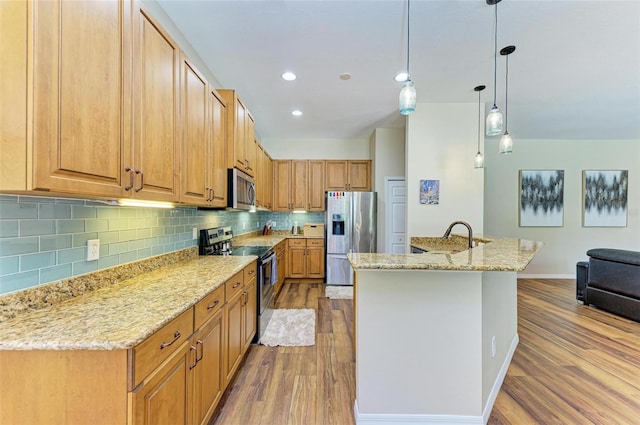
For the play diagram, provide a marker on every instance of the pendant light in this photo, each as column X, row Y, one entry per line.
column 407, row 99
column 494, row 119
column 506, row 142
column 478, row 161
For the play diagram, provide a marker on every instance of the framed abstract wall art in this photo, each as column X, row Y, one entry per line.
column 541, row 198
column 604, row 198
column 430, row 192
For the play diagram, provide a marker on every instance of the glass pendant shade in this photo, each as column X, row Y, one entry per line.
column 506, row 143
column 407, row 100
column 478, row 161
column 495, row 122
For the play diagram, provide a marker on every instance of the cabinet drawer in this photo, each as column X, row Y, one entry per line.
column 158, row 347
column 297, row 243
column 208, row 306
column 234, row 285
column 317, row 243
column 250, row 272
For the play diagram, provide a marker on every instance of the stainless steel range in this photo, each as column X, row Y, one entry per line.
column 217, row 241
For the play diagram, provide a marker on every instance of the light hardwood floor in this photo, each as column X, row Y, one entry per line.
column 574, row 365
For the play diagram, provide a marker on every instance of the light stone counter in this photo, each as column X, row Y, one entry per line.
column 121, row 315
column 499, row 254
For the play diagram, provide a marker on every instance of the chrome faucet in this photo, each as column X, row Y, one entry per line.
column 448, row 232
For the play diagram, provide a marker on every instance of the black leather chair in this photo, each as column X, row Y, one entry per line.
column 610, row 280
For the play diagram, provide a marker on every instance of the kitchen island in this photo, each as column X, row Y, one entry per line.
column 435, row 332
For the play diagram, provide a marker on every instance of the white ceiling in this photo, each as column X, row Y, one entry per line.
column 575, row 73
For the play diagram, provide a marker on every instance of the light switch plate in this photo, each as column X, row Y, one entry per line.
column 93, row 249
column 194, row 234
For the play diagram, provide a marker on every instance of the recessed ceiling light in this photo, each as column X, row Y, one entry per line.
column 401, row 77
column 296, row 113
column 289, row 76
column 345, row 76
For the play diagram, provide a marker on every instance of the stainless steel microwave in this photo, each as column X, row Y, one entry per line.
column 242, row 190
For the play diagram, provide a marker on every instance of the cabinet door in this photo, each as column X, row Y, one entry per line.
column 240, row 142
column 208, row 373
column 156, row 113
column 359, row 176
column 296, row 263
column 250, row 313
column 315, row 262
column 250, row 145
column 299, row 183
column 316, row 186
column 234, row 341
column 281, row 172
column 259, row 178
column 165, row 396
column 196, row 141
column 14, row 36
column 218, row 134
column 82, row 92
column 336, row 175
column 270, row 182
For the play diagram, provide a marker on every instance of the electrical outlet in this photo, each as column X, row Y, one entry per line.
column 257, row 224
column 273, row 224
column 194, row 234
column 244, row 226
column 93, row 249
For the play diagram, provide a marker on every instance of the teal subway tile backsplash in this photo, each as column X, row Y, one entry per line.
column 9, row 265
column 8, row 228
column 37, row 261
column 37, row 227
column 44, row 239
column 15, row 246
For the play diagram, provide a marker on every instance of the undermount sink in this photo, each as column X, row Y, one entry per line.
column 438, row 245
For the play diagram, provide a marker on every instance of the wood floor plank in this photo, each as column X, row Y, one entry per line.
column 575, row 365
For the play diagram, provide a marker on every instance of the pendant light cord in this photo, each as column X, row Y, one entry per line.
column 479, row 114
column 408, row 38
column 506, row 96
column 495, row 58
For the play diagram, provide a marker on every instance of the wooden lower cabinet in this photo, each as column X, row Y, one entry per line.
column 305, row 259
column 208, row 378
column 164, row 397
column 175, row 376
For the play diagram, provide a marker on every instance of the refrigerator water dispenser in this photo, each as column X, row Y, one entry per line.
column 337, row 224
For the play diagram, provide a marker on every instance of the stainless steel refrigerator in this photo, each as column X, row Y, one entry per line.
column 350, row 226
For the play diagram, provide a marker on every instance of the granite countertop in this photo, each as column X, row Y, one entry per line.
column 490, row 254
column 121, row 315
column 268, row 240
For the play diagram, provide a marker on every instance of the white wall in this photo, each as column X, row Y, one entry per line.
column 387, row 149
column 317, row 148
column 441, row 144
column 565, row 245
column 163, row 19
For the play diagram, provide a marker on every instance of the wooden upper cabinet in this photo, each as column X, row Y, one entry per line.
column 359, row 175
column 354, row 175
column 251, row 145
column 316, row 186
column 196, row 140
column 299, row 179
column 156, row 140
column 282, row 186
column 218, row 167
column 240, row 133
column 82, row 96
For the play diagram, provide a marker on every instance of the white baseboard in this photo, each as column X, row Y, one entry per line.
column 400, row 419
column 413, row 419
column 499, row 379
column 546, row 276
